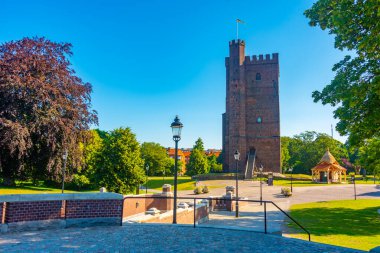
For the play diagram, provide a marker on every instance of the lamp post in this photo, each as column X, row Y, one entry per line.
column 64, row 157
column 146, row 184
column 176, row 129
column 237, row 158
column 353, row 180
column 291, row 179
column 261, row 184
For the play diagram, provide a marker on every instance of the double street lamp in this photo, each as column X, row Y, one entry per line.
column 237, row 158
column 176, row 129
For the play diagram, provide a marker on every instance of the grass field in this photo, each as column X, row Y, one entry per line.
column 29, row 188
column 349, row 223
column 306, row 181
column 184, row 183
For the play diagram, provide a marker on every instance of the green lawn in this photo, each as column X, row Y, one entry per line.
column 297, row 183
column 306, row 181
column 29, row 188
column 184, row 183
column 349, row 223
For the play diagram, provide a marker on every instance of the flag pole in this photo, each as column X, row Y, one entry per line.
column 237, row 29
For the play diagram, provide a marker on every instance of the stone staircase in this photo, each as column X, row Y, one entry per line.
column 250, row 166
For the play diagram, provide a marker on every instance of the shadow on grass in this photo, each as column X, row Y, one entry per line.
column 27, row 187
column 334, row 221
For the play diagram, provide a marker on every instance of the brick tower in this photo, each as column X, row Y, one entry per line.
column 251, row 123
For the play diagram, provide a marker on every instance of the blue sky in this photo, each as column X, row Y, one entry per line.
column 150, row 60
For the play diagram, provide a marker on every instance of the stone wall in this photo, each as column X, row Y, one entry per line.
column 135, row 204
column 32, row 211
column 40, row 211
column 93, row 208
column 225, row 204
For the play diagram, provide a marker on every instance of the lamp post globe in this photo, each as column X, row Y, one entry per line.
column 237, row 158
column 237, row 155
column 176, row 130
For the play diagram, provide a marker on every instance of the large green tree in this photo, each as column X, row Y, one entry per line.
column 306, row 150
column 45, row 109
column 92, row 151
column 369, row 155
column 285, row 156
column 198, row 163
column 199, row 145
column 120, row 167
column 215, row 167
column 355, row 89
column 157, row 158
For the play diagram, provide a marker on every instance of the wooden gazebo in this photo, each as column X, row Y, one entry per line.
column 328, row 170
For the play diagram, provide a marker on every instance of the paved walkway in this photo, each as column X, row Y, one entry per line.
column 156, row 238
column 251, row 189
column 251, row 217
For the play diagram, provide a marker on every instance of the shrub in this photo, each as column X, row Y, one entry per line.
column 198, row 190
column 80, row 182
column 286, row 191
column 205, row 189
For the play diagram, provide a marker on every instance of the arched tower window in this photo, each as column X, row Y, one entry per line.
column 258, row 76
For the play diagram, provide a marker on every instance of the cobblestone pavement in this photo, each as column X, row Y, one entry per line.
column 156, row 238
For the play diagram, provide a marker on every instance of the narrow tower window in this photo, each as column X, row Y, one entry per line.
column 258, row 76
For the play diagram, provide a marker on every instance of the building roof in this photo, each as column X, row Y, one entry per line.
column 328, row 162
column 215, row 152
column 328, row 158
column 171, row 151
column 186, row 153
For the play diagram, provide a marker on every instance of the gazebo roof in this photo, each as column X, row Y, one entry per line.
column 328, row 158
column 328, row 162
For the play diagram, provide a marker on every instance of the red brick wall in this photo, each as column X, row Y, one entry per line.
column 246, row 100
column 32, row 211
column 93, row 208
column 133, row 206
column 136, row 205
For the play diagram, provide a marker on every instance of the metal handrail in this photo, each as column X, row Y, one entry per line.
column 216, row 198
column 304, row 229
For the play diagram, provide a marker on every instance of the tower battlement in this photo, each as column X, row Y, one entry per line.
column 260, row 59
column 237, row 42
